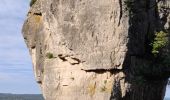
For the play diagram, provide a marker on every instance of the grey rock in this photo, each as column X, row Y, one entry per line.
column 96, row 46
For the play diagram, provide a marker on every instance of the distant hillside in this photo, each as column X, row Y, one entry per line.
column 4, row 96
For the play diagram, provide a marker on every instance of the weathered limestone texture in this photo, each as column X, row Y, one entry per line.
column 98, row 49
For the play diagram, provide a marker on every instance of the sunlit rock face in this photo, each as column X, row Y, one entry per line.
column 84, row 49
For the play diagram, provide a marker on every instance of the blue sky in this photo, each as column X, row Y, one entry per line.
column 16, row 75
column 168, row 92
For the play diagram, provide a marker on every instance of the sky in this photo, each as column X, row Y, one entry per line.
column 168, row 92
column 16, row 73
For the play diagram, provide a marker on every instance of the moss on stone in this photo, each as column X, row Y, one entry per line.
column 49, row 55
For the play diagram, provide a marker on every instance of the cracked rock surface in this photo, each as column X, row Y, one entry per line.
column 91, row 49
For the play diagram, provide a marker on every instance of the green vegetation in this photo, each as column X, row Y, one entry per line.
column 49, row 55
column 159, row 42
column 32, row 2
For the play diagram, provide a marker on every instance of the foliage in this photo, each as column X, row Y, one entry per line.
column 49, row 55
column 159, row 42
column 32, row 2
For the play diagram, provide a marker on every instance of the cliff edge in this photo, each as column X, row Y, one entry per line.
column 99, row 49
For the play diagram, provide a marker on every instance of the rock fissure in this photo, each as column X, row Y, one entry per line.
column 121, row 11
column 72, row 60
column 38, row 14
column 101, row 71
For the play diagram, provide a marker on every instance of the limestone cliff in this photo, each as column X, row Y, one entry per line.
column 99, row 49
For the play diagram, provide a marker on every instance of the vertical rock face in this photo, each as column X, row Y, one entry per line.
column 98, row 49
